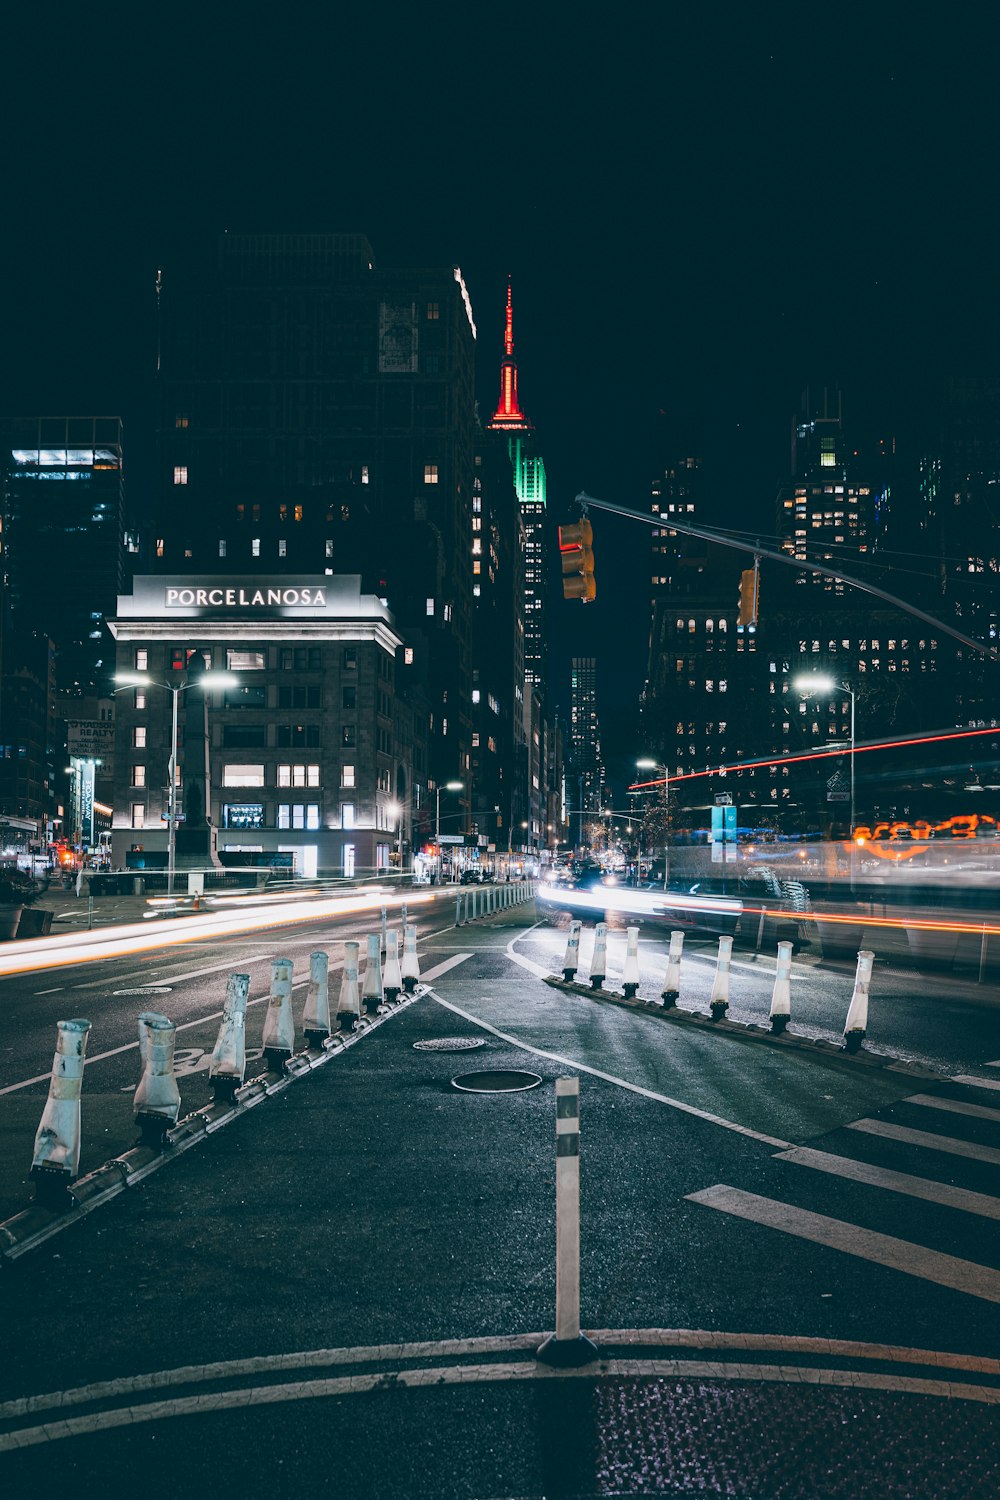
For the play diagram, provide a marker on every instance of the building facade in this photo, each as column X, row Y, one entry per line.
column 310, row 752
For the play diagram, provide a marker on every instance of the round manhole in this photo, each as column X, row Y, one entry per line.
column 450, row 1044
column 153, row 989
column 510, row 1082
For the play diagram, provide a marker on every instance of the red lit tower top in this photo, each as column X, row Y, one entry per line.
column 508, row 416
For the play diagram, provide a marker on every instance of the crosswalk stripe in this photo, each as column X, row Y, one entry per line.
column 866, row 1244
column 926, row 1138
column 954, row 1106
column 894, row 1182
column 973, row 1082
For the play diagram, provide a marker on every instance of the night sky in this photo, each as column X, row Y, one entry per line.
column 700, row 216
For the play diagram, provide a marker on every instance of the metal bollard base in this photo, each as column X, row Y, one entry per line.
column 224, row 1088
column 567, row 1354
column 719, row 1008
column 347, row 1020
column 372, row 1004
column 853, row 1040
column 569, row 975
column 392, row 996
column 316, row 1036
column 778, row 1024
column 409, row 985
column 153, row 1129
column 276, row 1057
column 630, row 991
column 669, row 998
column 597, row 980
column 52, row 1188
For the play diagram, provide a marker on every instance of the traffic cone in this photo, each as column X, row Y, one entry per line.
column 349, row 1004
column 599, row 961
column 157, row 1100
column 856, row 1025
column 781, row 997
column 672, row 979
column 228, row 1066
column 316, row 1016
column 371, row 993
column 279, row 1023
column 572, row 954
column 56, row 1159
column 719, row 1002
column 392, row 977
column 410, row 967
column 630, row 973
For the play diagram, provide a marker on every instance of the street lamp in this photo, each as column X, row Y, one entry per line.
column 449, row 786
column 821, row 682
column 654, row 765
column 395, row 810
column 205, row 680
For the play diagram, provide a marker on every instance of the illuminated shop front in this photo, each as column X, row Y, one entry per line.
column 306, row 765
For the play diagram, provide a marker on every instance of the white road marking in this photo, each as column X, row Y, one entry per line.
column 926, row 1138
column 633, row 1088
column 894, row 1182
column 144, row 978
column 56, row 991
column 954, row 1106
column 971, row 1081
column 442, row 968
column 867, row 1244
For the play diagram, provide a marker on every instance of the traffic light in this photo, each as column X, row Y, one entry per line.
column 575, row 548
column 749, row 599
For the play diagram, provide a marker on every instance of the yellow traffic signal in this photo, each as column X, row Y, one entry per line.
column 749, row 599
column 575, row 549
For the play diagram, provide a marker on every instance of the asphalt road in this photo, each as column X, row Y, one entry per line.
column 348, row 1282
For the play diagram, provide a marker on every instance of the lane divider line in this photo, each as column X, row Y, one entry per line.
column 951, row 1144
column 895, row 1182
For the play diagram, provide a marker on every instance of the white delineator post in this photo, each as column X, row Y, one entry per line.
column 371, row 993
column 228, row 1066
column 316, row 1016
column 630, row 973
column 349, row 1004
column 856, row 1025
column 392, row 977
column 719, row 1002
column 56, row 1158
column 410, row 967
column 781, row 997
column 279, row 1024
column 157, row 1100
column 672, row 979
column 571, row 958
column 567, row 1346
column 599, row 962
column 382, row 931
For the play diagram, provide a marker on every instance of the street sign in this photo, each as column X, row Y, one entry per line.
column 452, row 838
column 838, row 796
column 723, row 799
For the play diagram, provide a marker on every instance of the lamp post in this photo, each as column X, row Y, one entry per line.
column 821, row 682
column 449, row 786
column 395, row 810
column 205, row 680
column 654, row 765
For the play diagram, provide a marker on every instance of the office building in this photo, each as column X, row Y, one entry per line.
column 586, row 765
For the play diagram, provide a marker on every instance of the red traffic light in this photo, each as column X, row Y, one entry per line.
column 578, row 561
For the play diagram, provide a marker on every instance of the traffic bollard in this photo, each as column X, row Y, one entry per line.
column 157, row 1099
column 458, row 911
column 672, row 979
column 719, row 1002
column 56, row 1158
column 571, row 958
column 316, row 1016
column 781, row 998
column 856, row 1025
column 371, row 992
column 228, row 1065
column 349, row 1004
column 279, row 1023
column 382, row 931
column 567, row 1346
column 392, row 978
column 402, row 917
column 599, row 961
column 630, row 973
column 410, row 967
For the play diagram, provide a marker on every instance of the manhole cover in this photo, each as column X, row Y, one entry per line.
column 450, row 1044
column 495, row 1083
column 153, row 989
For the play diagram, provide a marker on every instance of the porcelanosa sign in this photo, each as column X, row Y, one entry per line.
column 322, row 596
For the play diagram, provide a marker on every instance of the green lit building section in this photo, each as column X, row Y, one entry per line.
column 529, row 486
column 529, row 473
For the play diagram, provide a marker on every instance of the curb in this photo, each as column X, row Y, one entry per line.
column 35, row 1224
column 748, row 1031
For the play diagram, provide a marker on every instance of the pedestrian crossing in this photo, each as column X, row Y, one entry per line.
column 974, row 1124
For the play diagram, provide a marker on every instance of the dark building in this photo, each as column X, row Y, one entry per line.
column 317, row 415
column 586, row 766
column 29, row 812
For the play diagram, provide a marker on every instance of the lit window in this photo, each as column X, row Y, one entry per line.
column 245, row 661
column 282, row 547
column 138, row 815
column 433, row 312
column 347, row 776
column 430, row 473
column 475, row 695
column 242, row 775
column 180, row 474
column 255, row 547
column 159, row 546
column 347, row 815
column 222, row 547
column 138, row 775
column 408, row 656
column 141, row 659
column 298, row 513
column 180, row 420
column 140, row 698
column 329, row 546
column 477, row 568
column 364, row 473
column 312, row 814
column 139, row 737
column 477, row 547
column 430, row 606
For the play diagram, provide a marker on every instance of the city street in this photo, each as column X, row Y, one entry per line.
column 367, row 1259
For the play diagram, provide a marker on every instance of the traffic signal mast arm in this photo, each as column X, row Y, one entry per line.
column 754, row 548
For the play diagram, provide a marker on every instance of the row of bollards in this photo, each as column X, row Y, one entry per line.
column 471, row 904
column 855, row 1027
column 157, row 1101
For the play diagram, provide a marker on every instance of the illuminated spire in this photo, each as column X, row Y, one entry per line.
column 508, row 416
